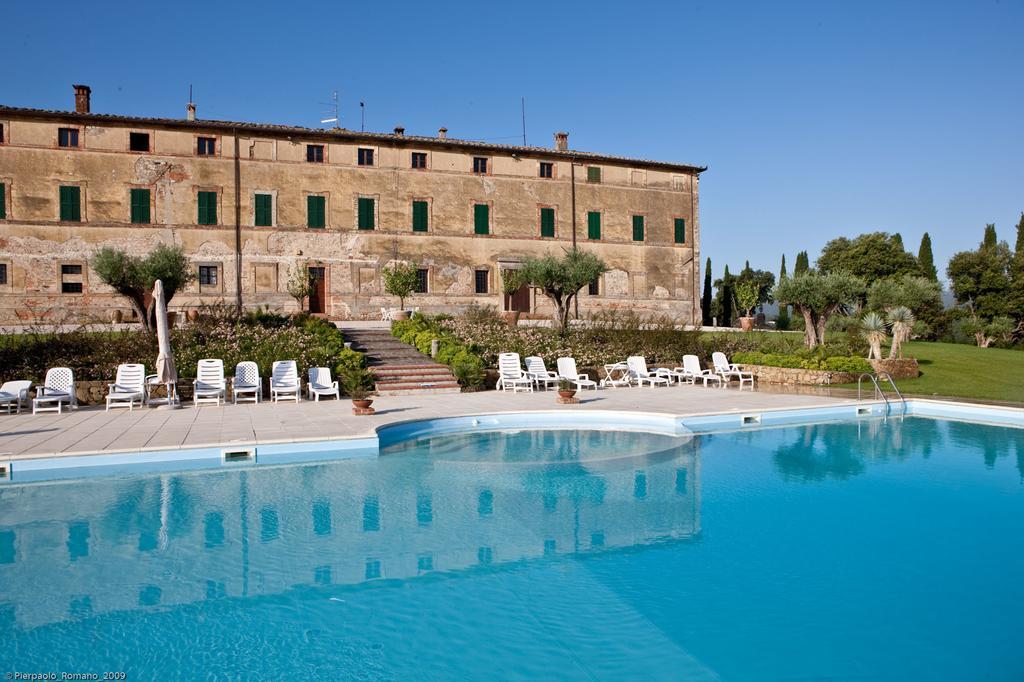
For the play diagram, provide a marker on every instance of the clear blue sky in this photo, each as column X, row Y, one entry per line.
column 816, row 119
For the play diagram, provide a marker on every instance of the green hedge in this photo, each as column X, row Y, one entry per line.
column 464, row 362
column 854, row 365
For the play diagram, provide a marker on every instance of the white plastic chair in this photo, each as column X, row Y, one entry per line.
column 567, row 370
column 511, row 374
column 284, row 381
column 691, row 366
column 540, row 374
column 128, row 388
column 728, row 370
column 320, row 384
column 638, row 372
column 209, row 385
column 385, row 315
column 57, row 389
column 15, row 394
column 247, row 382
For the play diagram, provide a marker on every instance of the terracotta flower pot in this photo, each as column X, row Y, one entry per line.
column 747, row 324
column 400, row 315
column 363, row 404
column 566, row 394
column 512, row 317
column 192, row 315
column 117, row 316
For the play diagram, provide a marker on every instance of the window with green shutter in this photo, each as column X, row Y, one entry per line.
column 3, row 201
column 140, row 206
column 420, row 213
column 316, row 211
column 594, row 225
column 71, row 204
column 593, row 174
column 264, row 210
column 638, row 228
column 680, row 230
column 481, row 219
column 207, row 208
column 366, row 217
column 547, row 222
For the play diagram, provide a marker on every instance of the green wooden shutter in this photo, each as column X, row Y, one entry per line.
column 70, row 203
column 207, row 208
column 316, row 211
column 481, row 219
column 593, row 225
column 547, row 222
column 264, row 210
column 3, row 201
column 366, row 218
column 680, row 230
column 140, row 206
column 638, row 228
column 419, row 216
column 593, row 174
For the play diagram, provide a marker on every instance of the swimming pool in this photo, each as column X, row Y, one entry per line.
column 867, row 549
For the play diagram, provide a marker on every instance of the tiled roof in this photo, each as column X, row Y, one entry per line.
column 346, row 135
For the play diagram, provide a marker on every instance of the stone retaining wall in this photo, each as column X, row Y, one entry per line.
column 793, row 376
column 899, row 368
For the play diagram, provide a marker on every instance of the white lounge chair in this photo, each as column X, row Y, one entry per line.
column 284, row 381
column 128, row 388
column 57, row 389
column 728, row 370
column 247, row 382
column 542, row 377
column 691, row 366
column 511, row 374
column 15, row 394
column 638, row 372
column 209, row 385
column 567, row 370
column 320, row 384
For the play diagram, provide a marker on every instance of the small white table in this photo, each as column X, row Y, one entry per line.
column 616, row 374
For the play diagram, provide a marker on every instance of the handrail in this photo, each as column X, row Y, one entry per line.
column 878, row 389
column 895, row 388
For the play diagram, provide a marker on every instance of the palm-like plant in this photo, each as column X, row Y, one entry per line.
column 874, row 330
column 902, row 321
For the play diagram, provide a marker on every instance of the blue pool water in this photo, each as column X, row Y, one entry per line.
column 868, row 550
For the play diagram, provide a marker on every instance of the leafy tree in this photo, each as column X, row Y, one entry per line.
column 763, row 280
column 747, row 293
column 561, row 278
column 869, row 256
column 990, row 239
column 400, row 281
column 925, row 259
column 922, row 296
column 980, row 279
column 817, row 297
column 802, row 265
column 133, row 277
column 298, row 285
column 705, row 300
column 782, row 320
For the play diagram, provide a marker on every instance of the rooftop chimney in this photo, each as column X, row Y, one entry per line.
column 191, row 109
column 442, row 133
column 399, row 130
column 561, row 141
column 82, row 98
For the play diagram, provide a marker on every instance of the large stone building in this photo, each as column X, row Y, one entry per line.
column 251, row 204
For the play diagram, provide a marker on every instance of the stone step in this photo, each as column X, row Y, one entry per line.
column 409, row 369
column 419, row 390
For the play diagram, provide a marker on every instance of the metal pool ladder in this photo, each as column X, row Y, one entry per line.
column 878, row 389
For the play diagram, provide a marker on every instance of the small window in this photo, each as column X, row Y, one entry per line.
column 316, row 211
column 71, row 204
column 3, row 273
column 680, row 230
column 421, row 280
column 547, row 222
column 480, row 165
column 138, row 142
column 593, row 174
column 315, row 153
column 2, row 133
column 594, row 225
column 207, row 276
column 366, row 211
column 481, row 219
column 264, row 210
column 70, row 278
column 206, row 146
column 420, row 216
column 3, row 201
column 67, row 137
column 140, row 206
column 482, row 279
column 638, row 228
column 547, row 170
column 594, row 288
column 419, row 160
column 365, row 157
column 207, row 208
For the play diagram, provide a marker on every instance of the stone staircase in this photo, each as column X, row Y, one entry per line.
column 400, row 368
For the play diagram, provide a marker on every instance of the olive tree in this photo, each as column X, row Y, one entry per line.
column 818, row 297
column 561, row 278
column 298, row 286
column 133, row 277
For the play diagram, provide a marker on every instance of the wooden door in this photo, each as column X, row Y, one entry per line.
column 519, row 301
column 317, row 290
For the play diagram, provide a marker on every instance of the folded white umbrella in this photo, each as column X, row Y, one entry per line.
column 165, row 370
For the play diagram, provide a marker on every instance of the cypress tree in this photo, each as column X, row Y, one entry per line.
column 782, row 320
column 726, row 296
column 705, row 300
column 898, row 238
column 802, row 263
column 926, row 260
column 1018, row 248
column 990, row 240
column 1017, row 273
column 782, row 270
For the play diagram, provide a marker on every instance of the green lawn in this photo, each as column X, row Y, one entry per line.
column 961, row 371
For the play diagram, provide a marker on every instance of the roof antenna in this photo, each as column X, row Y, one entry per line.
column 333, row 104
column 362, row 116
column 522, row 101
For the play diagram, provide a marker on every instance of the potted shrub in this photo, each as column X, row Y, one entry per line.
column 400, row 281
column 358, row 383
column 192, row 315
column 747, row 294
column 511, row 281
column 566, row 389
